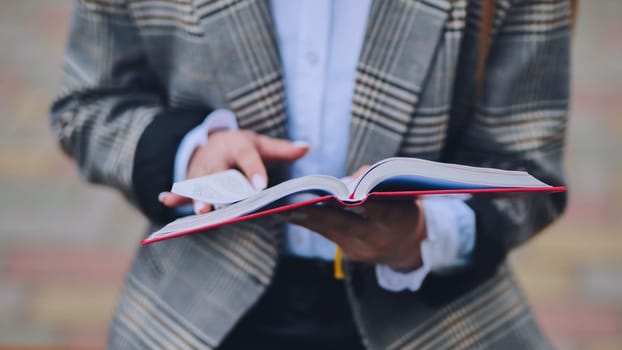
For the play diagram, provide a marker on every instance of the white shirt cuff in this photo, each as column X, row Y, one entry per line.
column 218, row 119
column 450, row 225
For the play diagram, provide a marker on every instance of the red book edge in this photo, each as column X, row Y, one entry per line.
column 354, row 204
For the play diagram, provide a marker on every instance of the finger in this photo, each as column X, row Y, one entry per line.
column 301, row 218
column 334, row 215
column 250, row 163
column 343, row 228
column 325, row 220
column 172, row 200
column 359, row 211
column 278, row 149
column 201, row 207
column 206, row 161
column 391, row 209
column 360, row 171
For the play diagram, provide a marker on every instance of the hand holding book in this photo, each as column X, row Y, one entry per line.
column 241, row 149
column 391, row 177
column 380, row 231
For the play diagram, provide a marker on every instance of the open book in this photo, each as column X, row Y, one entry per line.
column 391, row 177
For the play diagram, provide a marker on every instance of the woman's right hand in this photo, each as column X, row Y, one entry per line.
column 241, row 149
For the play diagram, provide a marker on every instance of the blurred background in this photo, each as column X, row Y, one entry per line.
column 65, row 246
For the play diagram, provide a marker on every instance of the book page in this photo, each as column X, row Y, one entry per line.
column 412, row 174
column 219, row 188
column 321, row 185
column 389, row 177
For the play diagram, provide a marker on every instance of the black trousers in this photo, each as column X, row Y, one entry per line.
column 303, row 308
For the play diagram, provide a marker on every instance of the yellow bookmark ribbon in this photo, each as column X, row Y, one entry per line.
column 339, row 275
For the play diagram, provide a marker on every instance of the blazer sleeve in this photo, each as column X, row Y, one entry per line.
column 518, row 121
column 111, row 116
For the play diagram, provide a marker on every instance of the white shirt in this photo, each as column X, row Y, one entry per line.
column 320, row 42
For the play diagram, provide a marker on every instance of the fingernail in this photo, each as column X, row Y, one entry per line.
column 198, row 206
column 259, row 182
column 162, row 196
column 301, row 144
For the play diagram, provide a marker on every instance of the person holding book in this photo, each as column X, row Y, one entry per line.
column 157, row 91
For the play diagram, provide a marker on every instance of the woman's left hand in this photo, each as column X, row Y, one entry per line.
column 384, row 231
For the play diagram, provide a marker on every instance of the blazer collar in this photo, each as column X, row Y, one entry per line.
column 401, row 40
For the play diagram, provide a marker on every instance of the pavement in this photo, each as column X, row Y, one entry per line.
column 65, row 246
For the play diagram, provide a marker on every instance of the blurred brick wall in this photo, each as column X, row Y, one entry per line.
column 65, row 246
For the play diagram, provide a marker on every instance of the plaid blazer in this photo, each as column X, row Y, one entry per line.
column 139, row 74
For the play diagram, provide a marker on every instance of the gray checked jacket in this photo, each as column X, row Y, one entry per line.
column 139, row 74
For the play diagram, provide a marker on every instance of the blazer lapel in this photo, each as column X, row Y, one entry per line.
column 241, row 33
column 401, row 40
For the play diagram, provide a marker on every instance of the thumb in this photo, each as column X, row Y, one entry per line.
column 172, row 200
column 360, row 171
column 270, row 148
